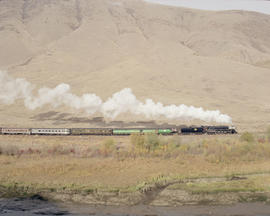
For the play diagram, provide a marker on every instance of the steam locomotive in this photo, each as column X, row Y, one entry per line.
column 120, row 131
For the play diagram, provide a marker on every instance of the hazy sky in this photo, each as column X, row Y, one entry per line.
column 262, row 6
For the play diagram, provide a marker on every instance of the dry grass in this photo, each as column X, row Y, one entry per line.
column 79, row 146
column 251, row 184
column 223, row 149
column 99, row 172
column 124, row 162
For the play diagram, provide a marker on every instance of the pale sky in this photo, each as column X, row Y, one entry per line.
column 262, row 6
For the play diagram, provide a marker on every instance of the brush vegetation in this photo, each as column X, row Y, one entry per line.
column 129, row 164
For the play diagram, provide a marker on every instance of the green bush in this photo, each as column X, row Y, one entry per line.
column 247, row 137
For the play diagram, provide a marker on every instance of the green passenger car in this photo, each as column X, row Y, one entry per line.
column 91, row 131
column 147, row 131
column 165, row 131
column 126, row 131
column 129, row 131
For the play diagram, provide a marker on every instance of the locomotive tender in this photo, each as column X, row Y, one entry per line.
column 120, row 131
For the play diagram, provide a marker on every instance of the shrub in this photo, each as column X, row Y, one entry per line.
column 268, row 133
column 174, row 142
column 261, row 140
column 151, row 142
column 247, row 137
column 57, row 149
column 9, row 150
column 137, row 141
column 108, row 147
column 184, row 149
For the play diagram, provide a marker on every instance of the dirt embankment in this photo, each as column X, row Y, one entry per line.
column 167, row 194
column 161, row 193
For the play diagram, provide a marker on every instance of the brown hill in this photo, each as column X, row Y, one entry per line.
column 217, row 60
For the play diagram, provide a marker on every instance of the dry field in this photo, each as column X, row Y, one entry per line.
column 126, row 163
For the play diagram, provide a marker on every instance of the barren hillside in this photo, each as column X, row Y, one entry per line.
column 217, row 60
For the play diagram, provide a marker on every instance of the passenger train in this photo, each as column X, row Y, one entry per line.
column 120, row 131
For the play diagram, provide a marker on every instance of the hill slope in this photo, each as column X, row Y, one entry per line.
column 217, row 60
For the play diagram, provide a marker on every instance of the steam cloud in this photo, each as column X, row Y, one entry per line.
column 123, row 101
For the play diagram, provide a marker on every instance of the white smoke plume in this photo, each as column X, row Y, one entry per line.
column 123, row 101
column 60, row 95
column 12, row 89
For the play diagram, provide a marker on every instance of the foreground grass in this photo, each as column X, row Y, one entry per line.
column 129, row 164
column 252, row 184
column 108, row 174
